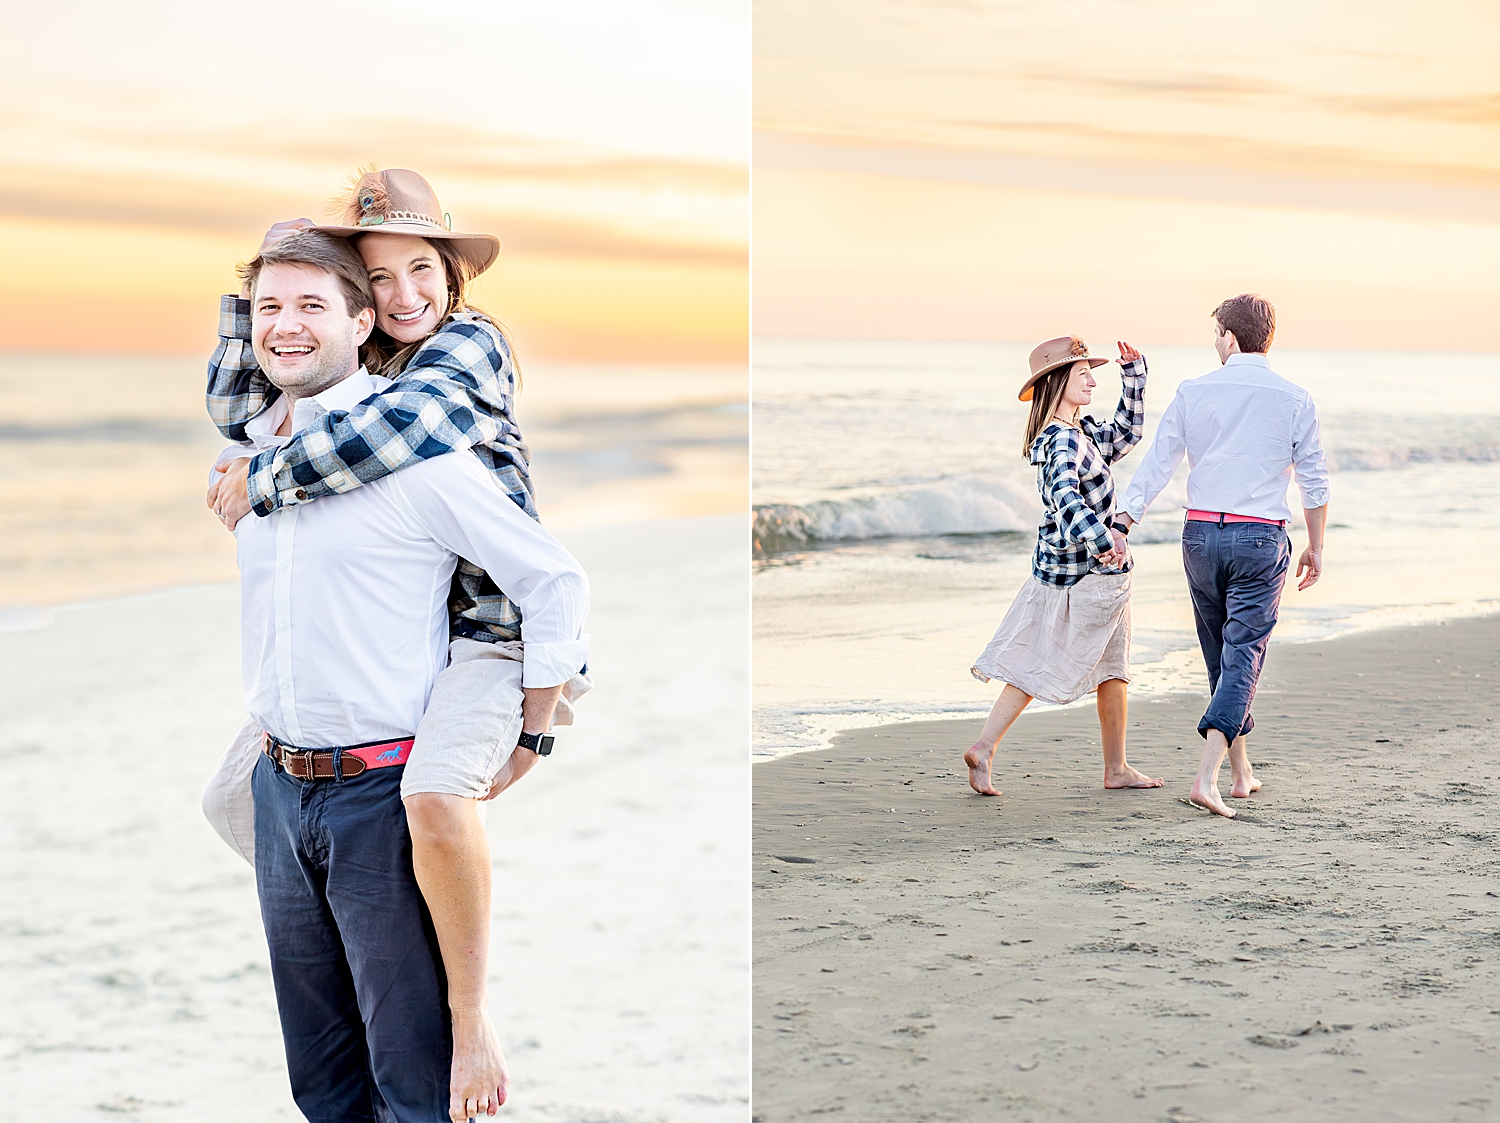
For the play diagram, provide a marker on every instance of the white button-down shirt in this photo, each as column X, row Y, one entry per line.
column 344, row 602
column 1246, row 432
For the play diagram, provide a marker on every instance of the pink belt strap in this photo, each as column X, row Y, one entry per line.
column 1222, row 517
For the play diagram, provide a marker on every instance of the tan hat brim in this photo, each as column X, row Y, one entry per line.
column 478, row 250
column 1026, row 389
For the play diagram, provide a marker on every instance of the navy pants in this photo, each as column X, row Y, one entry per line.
column 1235, row 573
column 359, row 978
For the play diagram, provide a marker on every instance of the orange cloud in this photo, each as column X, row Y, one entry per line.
column 993, row 171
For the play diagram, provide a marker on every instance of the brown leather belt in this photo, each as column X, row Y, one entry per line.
column 318, row 764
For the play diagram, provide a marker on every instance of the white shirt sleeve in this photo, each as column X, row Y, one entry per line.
column 462, row 506
column 1308, row 461
column 1159, row 463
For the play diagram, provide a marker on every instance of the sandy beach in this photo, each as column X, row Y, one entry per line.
column 135, row 978
column 1063, row 952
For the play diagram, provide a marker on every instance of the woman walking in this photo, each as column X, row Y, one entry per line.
column 1068, row 631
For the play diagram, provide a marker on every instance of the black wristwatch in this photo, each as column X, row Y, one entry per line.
column 539, row 743
column 1125, row 530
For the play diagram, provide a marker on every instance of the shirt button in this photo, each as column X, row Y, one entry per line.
column 300, row 494
column 282, row 567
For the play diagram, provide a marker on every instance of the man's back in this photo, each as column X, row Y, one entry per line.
column 1244, row 430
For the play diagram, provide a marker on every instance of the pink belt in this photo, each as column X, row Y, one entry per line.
column 1222, row 517
column 317, row 764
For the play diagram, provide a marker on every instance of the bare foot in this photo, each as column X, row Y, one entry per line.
column 1128, row 777
column 978, row 760
column 1208, row 798
column 1241, row 788
column 478, row 1083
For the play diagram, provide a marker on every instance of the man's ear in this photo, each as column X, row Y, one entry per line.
column 364, row 324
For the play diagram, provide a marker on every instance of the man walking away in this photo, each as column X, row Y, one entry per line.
column 1246, row 432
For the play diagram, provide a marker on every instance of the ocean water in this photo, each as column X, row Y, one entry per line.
column 103, row 466
column 895, row 517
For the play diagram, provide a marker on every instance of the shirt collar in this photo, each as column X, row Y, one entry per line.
column 1241, row 358
column 344, row 395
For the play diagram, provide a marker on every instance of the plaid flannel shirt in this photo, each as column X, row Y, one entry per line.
column 455, row 394
column 1078, row 489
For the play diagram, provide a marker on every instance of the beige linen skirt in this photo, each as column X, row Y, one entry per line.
column 1058, row 644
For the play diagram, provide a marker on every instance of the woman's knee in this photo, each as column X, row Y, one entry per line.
column 438, row 818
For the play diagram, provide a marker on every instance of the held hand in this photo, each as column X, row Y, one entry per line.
column 1119, row 553
column 230, row 497
column 1311, row 561
column 1128, row 354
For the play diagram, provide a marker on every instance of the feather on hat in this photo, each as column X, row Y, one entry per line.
column 398, row 201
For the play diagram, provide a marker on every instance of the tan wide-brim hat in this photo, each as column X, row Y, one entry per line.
column 1065, row 350
column 397, row 201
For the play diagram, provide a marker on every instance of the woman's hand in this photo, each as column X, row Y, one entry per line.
column 229, row 495
column 280, row 230
column 1118, row 554
column 1128, row 354
column 277, row 232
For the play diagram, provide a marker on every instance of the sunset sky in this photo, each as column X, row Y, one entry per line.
column 983, row 169
column 147, row 147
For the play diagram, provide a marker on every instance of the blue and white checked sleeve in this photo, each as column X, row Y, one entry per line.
column 1075, row 518
column 237, row 390
column 1124, row 432
column 454, row 395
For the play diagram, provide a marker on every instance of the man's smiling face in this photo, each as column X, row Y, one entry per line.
column 303, row 336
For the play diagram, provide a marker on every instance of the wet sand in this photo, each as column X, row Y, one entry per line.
column 1063, row 952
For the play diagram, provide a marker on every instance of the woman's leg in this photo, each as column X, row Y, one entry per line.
column 474, row 710
column 1006, row 709
column 1113, row 708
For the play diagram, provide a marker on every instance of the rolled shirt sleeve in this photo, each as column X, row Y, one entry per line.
column 1308, row 462
column 466, row 511
column 1159, row 462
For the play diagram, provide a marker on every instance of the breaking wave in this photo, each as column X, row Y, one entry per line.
column 963, row 505
column 1385, row 459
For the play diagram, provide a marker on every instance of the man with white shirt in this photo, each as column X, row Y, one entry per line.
column 344, row 630
column 1247, row 432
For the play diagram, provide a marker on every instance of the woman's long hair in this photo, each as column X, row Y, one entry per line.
column 1046, row 396
column 388, row 357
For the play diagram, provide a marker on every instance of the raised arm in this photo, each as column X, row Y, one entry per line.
column 1124, row 432
column 237, row 389
column 1075, row 518
column 455, row 394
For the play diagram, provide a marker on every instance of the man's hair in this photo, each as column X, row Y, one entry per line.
column 322, row 251
column 1252, row 318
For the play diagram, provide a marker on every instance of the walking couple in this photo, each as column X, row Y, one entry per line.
column 409, row 634
column 1246, row 433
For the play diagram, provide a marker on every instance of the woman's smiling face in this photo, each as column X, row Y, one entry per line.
column 411, row 288
column 1080, row 387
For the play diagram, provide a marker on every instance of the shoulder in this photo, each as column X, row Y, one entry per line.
column 1056, row 441
column 447, row 469
column 468, row 337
